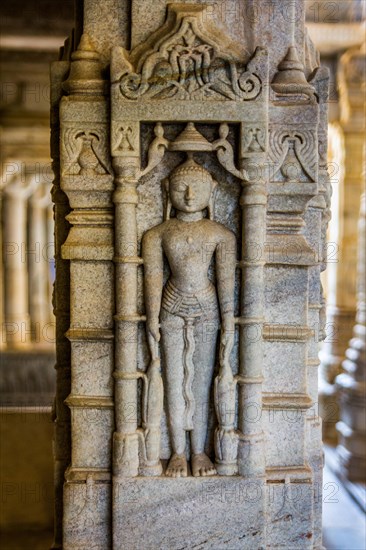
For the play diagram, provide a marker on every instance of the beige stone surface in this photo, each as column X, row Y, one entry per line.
column 198, row 133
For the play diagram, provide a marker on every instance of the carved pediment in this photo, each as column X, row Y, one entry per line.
column 184, row 60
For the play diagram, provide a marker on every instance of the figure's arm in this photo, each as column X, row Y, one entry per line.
column 152, row 254
column 225, row 275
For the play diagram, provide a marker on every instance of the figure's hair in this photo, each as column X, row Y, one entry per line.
column 190, row 166
column 166, row 199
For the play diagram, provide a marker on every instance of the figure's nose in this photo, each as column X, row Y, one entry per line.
column 189, row 195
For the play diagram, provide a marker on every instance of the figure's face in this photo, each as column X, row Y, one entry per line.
column 189, row 193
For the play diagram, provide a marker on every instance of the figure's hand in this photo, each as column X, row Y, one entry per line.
column 226, row 339
column 153, row 329
column 227, row 330
column 153, row 338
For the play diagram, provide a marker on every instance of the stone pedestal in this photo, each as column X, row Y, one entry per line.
column 193, row 158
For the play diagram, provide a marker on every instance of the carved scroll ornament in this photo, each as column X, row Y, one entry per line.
column 187, row 63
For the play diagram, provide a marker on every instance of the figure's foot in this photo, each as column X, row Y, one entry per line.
column 177, row 466
column 202, row 466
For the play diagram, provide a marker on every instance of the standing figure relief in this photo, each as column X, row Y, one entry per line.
column 185, row 315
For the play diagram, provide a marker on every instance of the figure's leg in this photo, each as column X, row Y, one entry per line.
column 172, row 343
column 204, row 364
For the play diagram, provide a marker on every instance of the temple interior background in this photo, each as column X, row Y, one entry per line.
column 31, row 34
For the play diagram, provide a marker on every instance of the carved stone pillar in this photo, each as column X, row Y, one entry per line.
column 352, row 383
column 61, row 309
column 342, row 251
column 2, row 286
column 202, row 414
column 86, row 179
column 17, row 193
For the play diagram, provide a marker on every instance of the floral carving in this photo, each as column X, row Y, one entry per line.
column 293, row 155
column 186, row 64
column 84, row 152
column 254, row 140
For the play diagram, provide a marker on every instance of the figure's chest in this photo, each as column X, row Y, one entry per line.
column 188, row 245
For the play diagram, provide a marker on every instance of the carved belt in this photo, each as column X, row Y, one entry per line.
column 199, row 304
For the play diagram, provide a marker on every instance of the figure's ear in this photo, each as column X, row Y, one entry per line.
column 167, row 205
column 211, row 204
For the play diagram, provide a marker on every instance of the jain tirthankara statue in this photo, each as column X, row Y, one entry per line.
column 185, row 314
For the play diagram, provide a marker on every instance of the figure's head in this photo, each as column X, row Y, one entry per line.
column 190, row 187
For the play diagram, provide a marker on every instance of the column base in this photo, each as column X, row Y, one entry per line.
column 205, row 513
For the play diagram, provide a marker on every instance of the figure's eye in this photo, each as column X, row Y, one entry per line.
column 180, row 188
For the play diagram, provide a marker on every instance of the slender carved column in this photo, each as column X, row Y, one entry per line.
column 352, row 383
column 132, row 454
column 253, row 201
column 125, row 439
column 17, row 193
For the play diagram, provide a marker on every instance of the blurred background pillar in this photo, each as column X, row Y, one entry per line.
column 347, row 140
column 352, row 382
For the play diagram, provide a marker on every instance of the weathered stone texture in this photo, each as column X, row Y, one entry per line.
column 195, row 172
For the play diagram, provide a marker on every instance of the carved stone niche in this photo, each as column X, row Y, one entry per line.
column 213, row 169
column 192, row 391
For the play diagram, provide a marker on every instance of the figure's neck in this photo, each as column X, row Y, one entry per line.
column 189, row 216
